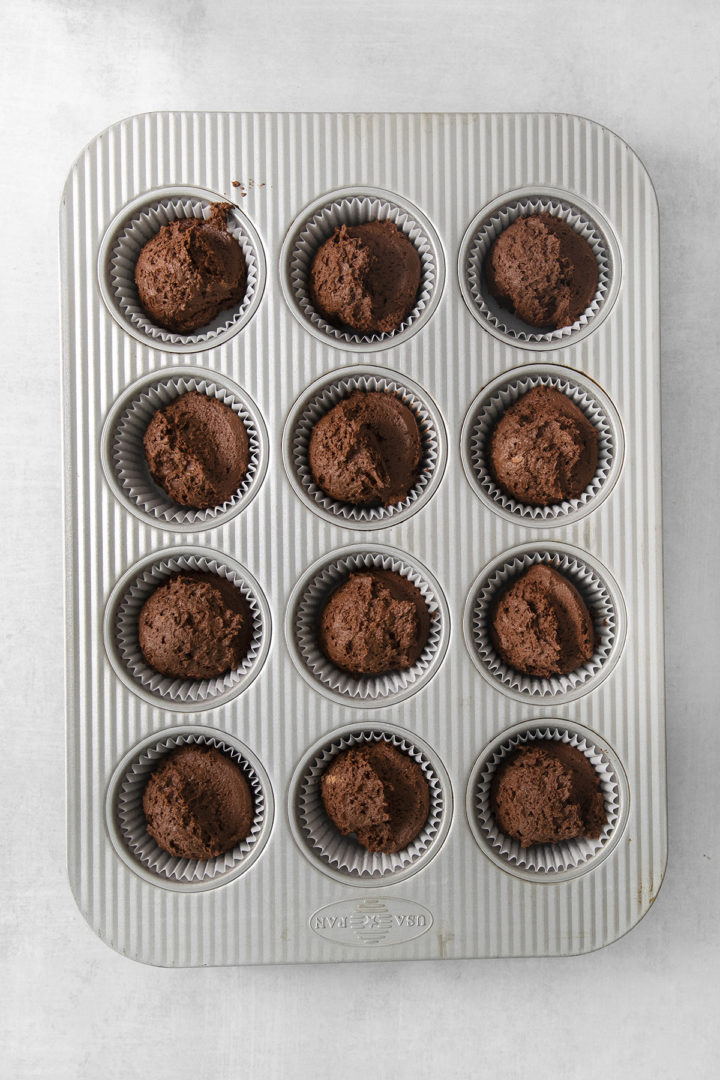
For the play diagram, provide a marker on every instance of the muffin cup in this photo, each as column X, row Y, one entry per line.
column 319, row 399
column 128, row 827
column 123, row 453
column 598, row 590
column 121, row 631
column 568, row 858
column 493, row 220
column 356, row 206
column 489, row 406
column 305, row 607
column 343, row 857
column 127, row 235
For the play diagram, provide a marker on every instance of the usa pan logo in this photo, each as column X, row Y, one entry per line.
column 379, row 921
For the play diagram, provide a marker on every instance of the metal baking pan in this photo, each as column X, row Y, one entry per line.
column 447, row 180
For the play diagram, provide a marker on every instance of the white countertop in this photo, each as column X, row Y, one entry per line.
column 69, row 1006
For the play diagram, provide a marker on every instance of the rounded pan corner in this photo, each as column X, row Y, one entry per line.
column 92, row 142
column 99, row 137
column 643, row 910
column 113, row 946
column 98, row 932
column 625, row 146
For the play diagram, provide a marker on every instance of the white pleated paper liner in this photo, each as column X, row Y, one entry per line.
column 128, row 826
column 123, row 452
column 488, row 408
column 121, row 631
column 343, row 857
column 308, row 601
column 568, row 858
column 485, row 229
column 602, row 598
column 320, row 398
column 356, row 206
column 125, row 239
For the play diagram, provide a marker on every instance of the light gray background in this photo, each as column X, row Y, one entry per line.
column 71, row 1008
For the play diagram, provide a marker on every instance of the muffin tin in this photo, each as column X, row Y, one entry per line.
column 295, row 891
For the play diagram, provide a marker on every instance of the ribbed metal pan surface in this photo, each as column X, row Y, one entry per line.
column 459, row 898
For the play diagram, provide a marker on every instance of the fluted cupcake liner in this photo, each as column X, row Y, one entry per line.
column 129, row 816
column 123, row 452
column 121, row 627
column 487, row 229
column 487, row 410
column 123, row 249
column 601, row 598
column 546, row 861
column 306, row 606
column 357, row 207
column 344, row 856
column 319, row 400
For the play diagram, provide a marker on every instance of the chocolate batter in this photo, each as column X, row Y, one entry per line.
column 190, row 271
column 197, row 450
column 365, row 277
column 195, row 626
column 366, row 450
column 378, row 793
column 547, row 792
column 543, row 449
column 541, row 626
column 198, row 803
column 374, row 622
column 541, row 269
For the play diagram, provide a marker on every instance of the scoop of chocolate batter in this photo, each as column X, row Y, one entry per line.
column 195, row 626
column 365, row 277
column 541, row 626
column 190, row 271
column 197, row 450
column 379, row 793
column 197, row 803
column 541, row 269
column 546, row 792
column 376, row 621
column 543, row 449
column 366, row 450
